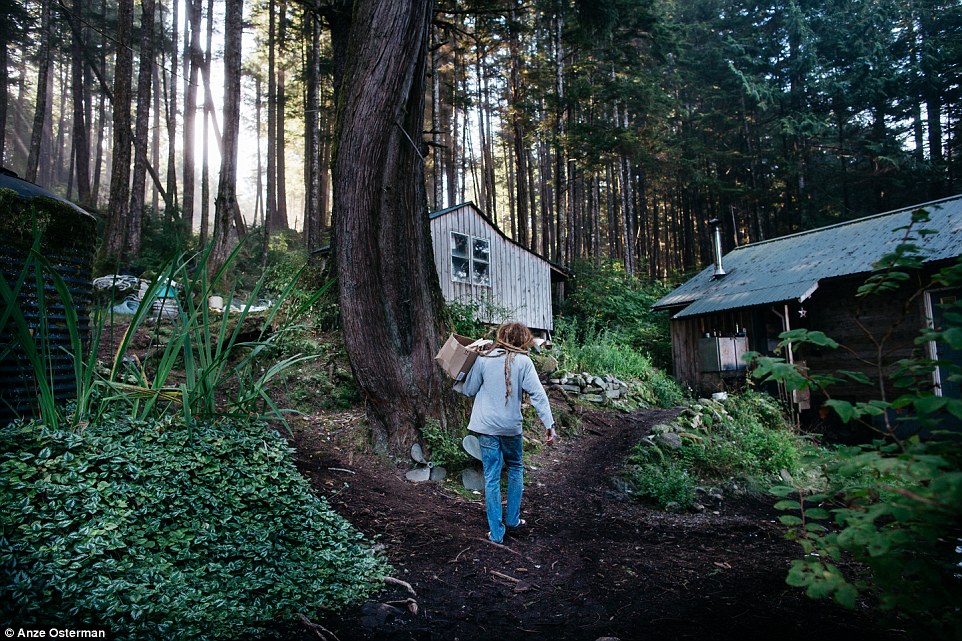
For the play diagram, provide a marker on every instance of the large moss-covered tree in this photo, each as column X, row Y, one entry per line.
column 390, row 301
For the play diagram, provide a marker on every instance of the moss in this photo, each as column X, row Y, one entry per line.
column 59, row 224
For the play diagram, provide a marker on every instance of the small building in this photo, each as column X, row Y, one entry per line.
column 810, row 280
column 478, row 265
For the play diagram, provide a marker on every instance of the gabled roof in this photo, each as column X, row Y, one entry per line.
column 557, row 270
column 791, row 267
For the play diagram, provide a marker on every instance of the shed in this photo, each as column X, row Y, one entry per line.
column 479, row 265
column 810, row 280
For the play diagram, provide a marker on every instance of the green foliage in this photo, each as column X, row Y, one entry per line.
column 444, row 446
column 462, row 319
column 588, row 348
column 895, row 509
column 217, row 360
column 161, row 529
column 603, row 297
column 669, row 485
column 744, row 441
column 893, row 505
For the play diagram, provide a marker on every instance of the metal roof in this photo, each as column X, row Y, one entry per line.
column 791, row 267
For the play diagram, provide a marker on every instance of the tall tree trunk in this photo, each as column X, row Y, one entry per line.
column 135, row 224
column 226, row 203
column 155, row 134
column 259, row 197
column 208, row 114
column 391, row 305
column 4, row 87
column 271, row 116
column 119, row 200
column 280, row 222
column 312, row 134
column 33, row 160
column 195, row 57
column 172, row 193
column 81, row 144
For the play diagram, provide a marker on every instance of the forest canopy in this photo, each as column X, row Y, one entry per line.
column 584, row 129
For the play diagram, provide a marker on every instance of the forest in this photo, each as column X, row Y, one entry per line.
column 584, row 129
column 239, row 429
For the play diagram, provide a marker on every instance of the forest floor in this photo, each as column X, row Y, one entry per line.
column 589, row 563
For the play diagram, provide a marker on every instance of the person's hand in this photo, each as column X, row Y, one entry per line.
column 551, row 436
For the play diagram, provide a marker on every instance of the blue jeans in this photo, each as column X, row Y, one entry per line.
column 493, row 450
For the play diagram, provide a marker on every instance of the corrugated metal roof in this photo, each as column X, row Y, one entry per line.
column 791, row 267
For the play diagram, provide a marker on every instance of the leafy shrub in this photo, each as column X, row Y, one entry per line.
column 158, row 529
column 894, row 505
column 896, row 510
column 444, row 446
column 602, row 295
column 743, row 441
column 589, row 348
column 669, row 486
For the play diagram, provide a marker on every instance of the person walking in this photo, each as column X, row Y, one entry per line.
column 496, row 381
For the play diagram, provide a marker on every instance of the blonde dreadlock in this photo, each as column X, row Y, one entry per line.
column 513, row 338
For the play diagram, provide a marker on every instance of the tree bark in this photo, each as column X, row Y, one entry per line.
column 391, row 305
column 171, row 200
column 280, row 221
column 81, row 144
column 141, row 132
column 118, row 202
column 33, row 160
column 312, row 134
column 205, row 149
column 226, row 203
column 196, row 59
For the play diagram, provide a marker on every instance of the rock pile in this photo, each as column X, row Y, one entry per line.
column 596, row 389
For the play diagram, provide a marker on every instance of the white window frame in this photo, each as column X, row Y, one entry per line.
column 470, row 258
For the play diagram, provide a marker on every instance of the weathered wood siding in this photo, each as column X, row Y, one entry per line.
column 859, row 325
column 520, row 281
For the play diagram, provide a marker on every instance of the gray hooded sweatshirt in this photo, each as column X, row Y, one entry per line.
column 493, row 413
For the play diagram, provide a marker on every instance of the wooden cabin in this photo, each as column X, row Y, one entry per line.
column 478, row 265
column 810, row 279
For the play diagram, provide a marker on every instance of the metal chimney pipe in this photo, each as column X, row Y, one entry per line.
column 716, row 240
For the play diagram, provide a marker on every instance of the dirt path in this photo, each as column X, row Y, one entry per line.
column 589, row 564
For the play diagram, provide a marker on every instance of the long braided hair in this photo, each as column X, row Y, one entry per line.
column 513, row 338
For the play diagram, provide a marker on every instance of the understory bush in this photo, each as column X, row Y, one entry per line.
column 158, row 529
column 599, row 351
column 602, row 296
column 741, row 444
column 893, row 505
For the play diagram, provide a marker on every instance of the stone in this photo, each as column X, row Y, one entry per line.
column 594, row 398
column 670, row 439
column 613, row 393
column 418, row 454
column 575, row 389
column 472, row 446
column 472, row 479
column 419, row 475
column 438, row 473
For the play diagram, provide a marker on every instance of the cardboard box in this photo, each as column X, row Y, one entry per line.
column 458, row 354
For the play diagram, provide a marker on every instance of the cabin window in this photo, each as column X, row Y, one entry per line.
column 470, row 260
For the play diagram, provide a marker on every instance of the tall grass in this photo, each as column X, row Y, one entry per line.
column 207, row 365
column 585, row 347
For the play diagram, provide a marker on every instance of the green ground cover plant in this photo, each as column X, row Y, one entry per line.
column 156, row 502
column 738, row 445
column 161, row 529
